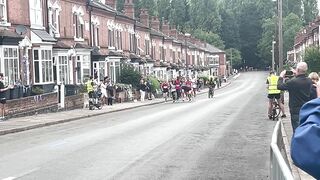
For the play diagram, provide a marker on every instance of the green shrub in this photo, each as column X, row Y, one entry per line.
column 130, row 76
column 37, row 90
column 155, row 84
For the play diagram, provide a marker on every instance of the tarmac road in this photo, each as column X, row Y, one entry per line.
column 226, row 137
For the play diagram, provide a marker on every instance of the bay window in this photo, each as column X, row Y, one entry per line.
column 11, row 65
column 43, row 66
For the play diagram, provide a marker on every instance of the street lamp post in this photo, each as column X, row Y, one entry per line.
column 273, row 43
column 280, row 34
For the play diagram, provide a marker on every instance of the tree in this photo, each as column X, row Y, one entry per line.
column 312, row 57
column 265, row 43
column 209, row 37
column 130, row 76
column 234, row 57
column 179, row 14
column 310, row 10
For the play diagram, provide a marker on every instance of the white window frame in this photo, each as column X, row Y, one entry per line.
column 79, row 13
column 84, row 65
column 95, row 34
column 8, row 72
column 63, row 70
column 3, row 10
column 41, row 60
column 36, row 19
column 54, row 27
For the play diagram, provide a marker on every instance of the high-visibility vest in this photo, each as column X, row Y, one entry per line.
column 89, row 86
column 273, row 82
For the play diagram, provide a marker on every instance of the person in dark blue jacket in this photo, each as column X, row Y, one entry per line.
column 305, row 145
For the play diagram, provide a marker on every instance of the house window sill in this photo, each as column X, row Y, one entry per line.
column 5, row 24
column 78, row 39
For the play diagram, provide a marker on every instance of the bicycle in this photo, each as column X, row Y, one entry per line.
column 275, row 112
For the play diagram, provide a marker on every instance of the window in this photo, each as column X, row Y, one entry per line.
column 54, row 19
column 154, row 52
column 78, row 24
column 11, row 65
column 95, row 34
column 118, row 40
column 132, row 43
column 147, row 45
column 83, row 68
column 36, row 13
column 3, row 12
column 63, row 70
column 43, row 66
column 110, row 38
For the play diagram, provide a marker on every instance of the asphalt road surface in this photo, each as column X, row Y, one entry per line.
column 226, row 137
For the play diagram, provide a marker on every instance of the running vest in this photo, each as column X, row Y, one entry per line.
column 89, row 86
column 273, row 82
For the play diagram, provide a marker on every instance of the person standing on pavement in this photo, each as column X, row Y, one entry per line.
column 305, row 146
column 110, row 93
column 142, row 89
column 89, row 86
column 315, row 79
column 299, row 91
column 274, row 93
column 3, row 89
column 149, row 89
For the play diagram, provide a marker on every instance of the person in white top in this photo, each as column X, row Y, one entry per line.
column 103, row 89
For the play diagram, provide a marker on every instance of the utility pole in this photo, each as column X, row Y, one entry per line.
column 273, row 63
column 280, row 35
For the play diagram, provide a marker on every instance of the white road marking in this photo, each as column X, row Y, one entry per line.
column 9, row 178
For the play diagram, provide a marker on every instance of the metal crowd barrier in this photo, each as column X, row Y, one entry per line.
column 279, row 169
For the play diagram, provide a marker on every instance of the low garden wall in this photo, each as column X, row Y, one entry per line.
column 30, row 105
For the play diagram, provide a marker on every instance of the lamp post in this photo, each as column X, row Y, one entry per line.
column 187, row 35
column 273, row 43
column 280, row 33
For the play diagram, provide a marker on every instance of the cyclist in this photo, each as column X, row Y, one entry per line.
column 274, row 93
column 211, row 85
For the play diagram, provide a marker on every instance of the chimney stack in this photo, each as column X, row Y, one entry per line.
column 112, row 3
column 129, row 8
column 144, row 17
column 155, row 23
column 174, row 33
column 166, row 28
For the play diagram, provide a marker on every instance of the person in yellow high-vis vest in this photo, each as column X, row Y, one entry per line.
column 274, row 93
column 89, row 85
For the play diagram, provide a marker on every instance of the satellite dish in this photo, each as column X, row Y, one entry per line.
column 21, row 30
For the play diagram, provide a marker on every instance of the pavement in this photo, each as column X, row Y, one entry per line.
column 14, row 125
column 287, row 135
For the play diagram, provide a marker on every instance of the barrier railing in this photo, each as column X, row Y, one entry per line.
column 279, row 169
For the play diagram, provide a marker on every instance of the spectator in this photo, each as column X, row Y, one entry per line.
column 315, row 79
column 149, row 89
column 299, row 91
column 3, row 89
column 110, row 93
column 305, row 146
column 142, row 89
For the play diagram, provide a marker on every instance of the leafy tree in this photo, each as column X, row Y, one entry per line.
column 205, row 14
column 209, row 37
column 130, row 76
column 179, row 14
column 265, row 43
column 234, row 56
column 120, row 5
column 292, row 24
column 230, row 29
column 312, row 57
column 310, row 10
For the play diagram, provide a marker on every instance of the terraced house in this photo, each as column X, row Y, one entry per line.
column 48, row 42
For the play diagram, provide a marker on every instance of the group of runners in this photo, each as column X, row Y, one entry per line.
column 184, row 88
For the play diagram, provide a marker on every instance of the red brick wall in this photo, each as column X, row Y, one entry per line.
column 32, row 104
column 74, row 102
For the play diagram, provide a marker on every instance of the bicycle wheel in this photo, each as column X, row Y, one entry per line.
column 275, row 111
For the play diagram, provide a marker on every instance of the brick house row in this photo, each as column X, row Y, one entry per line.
column 44, row 42
column 309, row 36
